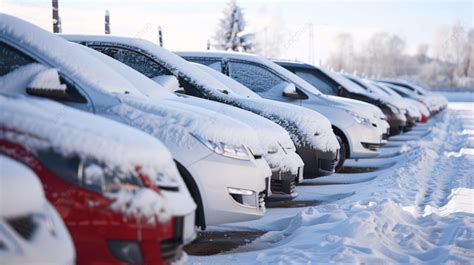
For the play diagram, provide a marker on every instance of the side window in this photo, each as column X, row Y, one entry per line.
column 135, row 60
column 256, row 78
column 64, row 168
column 318, row 82
column 11, row 59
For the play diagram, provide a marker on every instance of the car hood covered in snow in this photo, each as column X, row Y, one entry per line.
column 39, row 124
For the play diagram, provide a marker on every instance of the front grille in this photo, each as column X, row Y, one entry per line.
column 370, row 146
column 261, row 201
column 25, row 226
column 385, row 136
column 171, row 250
column 283, row 187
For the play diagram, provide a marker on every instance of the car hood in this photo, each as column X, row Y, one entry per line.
column 272, row 137
column 175, row 121
column 366, row 109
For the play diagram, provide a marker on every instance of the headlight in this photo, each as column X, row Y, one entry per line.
column 229, row 150
column 126, row 251
column 361, row 119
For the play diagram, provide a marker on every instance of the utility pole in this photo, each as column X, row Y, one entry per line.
column 107, row 22
column 160, row 36
column 56, row 19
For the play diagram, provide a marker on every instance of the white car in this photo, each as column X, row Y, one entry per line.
column 219, row 158
column 358, row 134
column 31, row 231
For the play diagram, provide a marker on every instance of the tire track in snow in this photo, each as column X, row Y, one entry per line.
column 448, row 172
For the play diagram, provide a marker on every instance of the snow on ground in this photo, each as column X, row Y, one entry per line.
column 418, row 207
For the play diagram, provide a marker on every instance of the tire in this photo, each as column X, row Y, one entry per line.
column 341, row 157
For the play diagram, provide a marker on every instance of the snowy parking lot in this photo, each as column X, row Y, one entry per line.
column 412, row 204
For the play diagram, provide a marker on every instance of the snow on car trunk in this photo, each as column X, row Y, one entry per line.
column 39, row 124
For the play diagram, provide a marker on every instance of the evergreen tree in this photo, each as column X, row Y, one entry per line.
column 230, row 34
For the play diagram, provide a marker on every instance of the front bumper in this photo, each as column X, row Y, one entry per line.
column 317, row 163
column 220, row 179
column 363, row 141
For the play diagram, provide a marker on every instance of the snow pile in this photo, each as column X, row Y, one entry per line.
column 41, row 124
column 273, row 138
column 416, row 211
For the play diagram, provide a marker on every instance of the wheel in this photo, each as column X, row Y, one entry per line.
column 341, row 157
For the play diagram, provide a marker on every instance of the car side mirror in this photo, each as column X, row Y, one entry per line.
column 47, row 84
column 340, row 90
column 170, row 83
column 289, row 91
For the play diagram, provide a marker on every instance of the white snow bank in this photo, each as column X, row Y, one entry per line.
column 41, row 124
column 21, row 192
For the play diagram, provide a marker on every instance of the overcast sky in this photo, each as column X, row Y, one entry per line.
column 187, row 25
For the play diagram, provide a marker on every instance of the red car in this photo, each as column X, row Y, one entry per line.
column 92, row 199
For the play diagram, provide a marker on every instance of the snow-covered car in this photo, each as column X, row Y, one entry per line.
column 31, row 230
column 219, row 158
column 317, row 151
column 119, row 184
column 435, row 101
column 425, row 112
column 414, row 107
column 357, row 134
column 392, row 111
column 333, row 85
column 279, row 150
